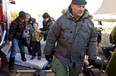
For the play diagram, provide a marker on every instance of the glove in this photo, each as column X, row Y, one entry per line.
column 52, row 52
column 91, row 62
column 49, row 58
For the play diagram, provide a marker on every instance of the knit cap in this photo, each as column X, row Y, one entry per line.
column 79, row 2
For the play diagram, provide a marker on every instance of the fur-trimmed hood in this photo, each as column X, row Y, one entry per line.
column 85, row 15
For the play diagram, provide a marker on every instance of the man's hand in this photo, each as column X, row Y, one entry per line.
column 49, row 57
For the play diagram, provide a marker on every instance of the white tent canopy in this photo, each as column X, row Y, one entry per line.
column 107, row 7
column 107, row 11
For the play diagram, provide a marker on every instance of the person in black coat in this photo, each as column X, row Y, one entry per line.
column 15, row 39
column 47, row 24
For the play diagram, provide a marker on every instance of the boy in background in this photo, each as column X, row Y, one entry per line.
column 36, row 38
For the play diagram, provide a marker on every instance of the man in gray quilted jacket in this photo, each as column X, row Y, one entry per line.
column 74, row 35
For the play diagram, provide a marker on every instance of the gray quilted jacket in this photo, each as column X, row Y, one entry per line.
column 73, row 39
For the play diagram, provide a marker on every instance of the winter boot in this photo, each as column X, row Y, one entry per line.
column 23, row 57
column 11, row 65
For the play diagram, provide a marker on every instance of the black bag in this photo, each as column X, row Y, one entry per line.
column 100, row 64
column 93, row 72
column 26, row 38
column 26, row 41
column 96, row 69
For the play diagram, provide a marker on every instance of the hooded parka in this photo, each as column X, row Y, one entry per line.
column 73, row 39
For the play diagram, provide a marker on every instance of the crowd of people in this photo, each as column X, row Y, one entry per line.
column 25, row 31
column 68, row 39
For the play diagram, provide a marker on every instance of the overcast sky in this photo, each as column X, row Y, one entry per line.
column 54, row 7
